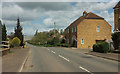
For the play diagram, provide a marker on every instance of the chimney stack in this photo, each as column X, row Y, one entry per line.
column 84, row 13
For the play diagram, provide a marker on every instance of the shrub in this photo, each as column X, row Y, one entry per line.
column 65, row 45
column 54, row 41
column 95, row 46
column 102, row 47
column 15, row 42
column 116, row 40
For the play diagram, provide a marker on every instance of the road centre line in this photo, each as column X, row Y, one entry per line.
column 69, row 61
column 47, row 49
column 53, row 52
column 64, row 58
column 85, row 69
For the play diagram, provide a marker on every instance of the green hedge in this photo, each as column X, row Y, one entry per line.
column 65, row 45
column 102, row 47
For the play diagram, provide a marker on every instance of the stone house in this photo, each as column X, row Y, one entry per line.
column 87, row 30
column 117, row 16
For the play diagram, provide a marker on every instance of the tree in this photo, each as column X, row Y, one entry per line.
column 116, row 39
column 4, row 33
column 18, row 32
column 40, row 38
column 36, row 32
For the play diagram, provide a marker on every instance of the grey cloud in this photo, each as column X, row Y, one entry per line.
column 62, row 13
column 53, row 6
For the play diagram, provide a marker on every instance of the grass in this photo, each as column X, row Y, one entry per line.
column 11, row 51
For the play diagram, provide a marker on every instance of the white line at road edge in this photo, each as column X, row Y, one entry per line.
column 21, row 68
column 64, row 58
column 85, row 69
column 53, row 52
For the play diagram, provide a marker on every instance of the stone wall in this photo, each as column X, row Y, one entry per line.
column 87, row 30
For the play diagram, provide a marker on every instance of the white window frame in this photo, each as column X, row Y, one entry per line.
column 98, row 28
column 82, row 41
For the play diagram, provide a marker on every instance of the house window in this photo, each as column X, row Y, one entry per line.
column 82, row 41
column 68, row 30
column 72, row 30
column 98, row 29
column 75, row 29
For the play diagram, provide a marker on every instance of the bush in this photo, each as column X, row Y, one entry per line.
column 54, row 41
column 116, row 40
column 65, row 45
column 102, row 47
column 95, row 47
column 15, row 42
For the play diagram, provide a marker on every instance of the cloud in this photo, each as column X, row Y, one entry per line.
column 109, row 17
column 44, row 5
column 44, row 14
column 57, row 0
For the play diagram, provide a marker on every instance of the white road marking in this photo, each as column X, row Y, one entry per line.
column 64, row 58
column 53, row 52
column 47, row 49
column 85, row 69
column 21, row 68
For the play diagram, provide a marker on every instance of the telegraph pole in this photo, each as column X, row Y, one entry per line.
column 54, row 28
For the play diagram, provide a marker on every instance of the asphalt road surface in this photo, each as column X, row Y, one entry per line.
column 57, row 59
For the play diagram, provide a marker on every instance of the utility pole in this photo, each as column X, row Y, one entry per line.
column 54, row 28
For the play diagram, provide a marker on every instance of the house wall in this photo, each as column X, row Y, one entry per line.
column 70, row 34
column 87, row 30
column 116, row 18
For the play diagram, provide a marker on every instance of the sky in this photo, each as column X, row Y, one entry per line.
column 41, row 14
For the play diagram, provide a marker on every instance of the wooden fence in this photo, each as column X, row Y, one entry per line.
column 5, row 45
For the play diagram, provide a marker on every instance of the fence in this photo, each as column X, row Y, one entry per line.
column 5, row 45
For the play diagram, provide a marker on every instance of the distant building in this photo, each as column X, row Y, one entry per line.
column 117, row 16
column 87, row 30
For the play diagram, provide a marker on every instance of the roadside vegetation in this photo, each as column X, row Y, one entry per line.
column 15, row 39
column 50, row 38
column 116, row 39
column 102, row 47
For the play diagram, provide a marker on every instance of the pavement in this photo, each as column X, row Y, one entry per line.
column 110, row 56
column 13, row 62
column 57, row 59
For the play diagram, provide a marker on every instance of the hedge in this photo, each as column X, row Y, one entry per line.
column 15, row 42
column 102, row 47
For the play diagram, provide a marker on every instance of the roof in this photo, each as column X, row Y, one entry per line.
column 118, row 5
column 89, row 15
column 92, row 16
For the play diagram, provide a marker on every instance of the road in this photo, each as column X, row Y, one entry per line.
column 56, row 59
